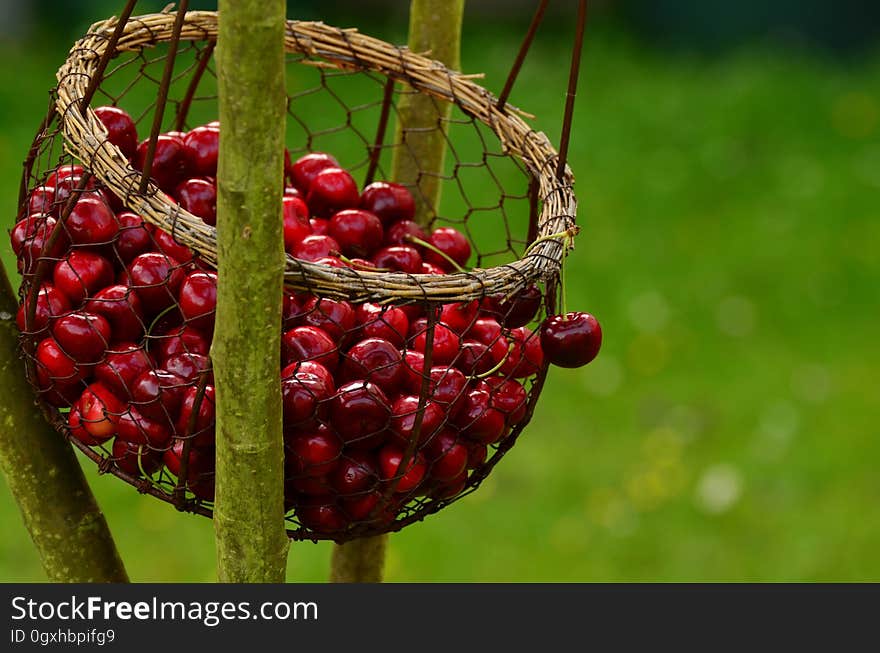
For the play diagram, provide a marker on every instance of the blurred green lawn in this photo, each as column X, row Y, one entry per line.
column 727, row 432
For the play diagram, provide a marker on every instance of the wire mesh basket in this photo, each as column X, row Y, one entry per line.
column 409, row 359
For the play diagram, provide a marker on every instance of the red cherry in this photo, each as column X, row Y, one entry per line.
column 387, row 322
column 54, row 366
column 322, row 515
column 357, row 472
column 520, row 309
column 509, row 397
column 63, row 172
column 307, row 168
column 452, row 243
column 155, row 278
column 332, row 261
column 525, row 357
column 81, row 274
column 314, row 453
column 358, row 232
column 485, row 330
column 51, row 303
column 398, row 258
column 474, row 358
column 450, row 489
column 312, row 248
column 332, row 190
column 445, row 345
column 78, row 431
column 198, row 300
column 404, row 414
column 359, row 413
column 202, row 430
column 167, row 245
column 376, row 360
column 134, row 428
column 202, row 145
column 360, row 506
column 199, row 197
column 293, row 307
column 121, row 130
column 309, row 343
column 400, row 233
column 571, row 340
column 447, row 387
column 69, row 186
column 41, row 201
column 391, row 202
column 296, row 222
column 447, row 457
column 157, row 395
column 99, row 412
column 33, row 235
column 188, row 366
column 83, row 336
column 199, row 470
column 304, row 395
column 124, row 363
column 122, row 308
column 170, row 161
column 414, row 370
column 477, row 454
column 390, row 462
column 430, row 268
column 313, row 368
column 133, row 458
column 320, row 226
column 179, row 340
column 133, row 237
column 336, row 317
column 478, row 419
column 459, row 316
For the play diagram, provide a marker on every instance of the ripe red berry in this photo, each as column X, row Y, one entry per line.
column 188, row 366
column 307, row 343
column 520, row 309
column 391, row 459
column 199, row 471
column 41, row 201
column 525, row 357
column 313, row 248
column 509, row 397
column 375, row 360
column 81, row 274
column 54, row 366
column 360, row 507
column 336, row 317
column 446, row 343
column 197, row 425
column 296, row 222
column 401, row 232
column 321, row 514
column 122, row 364
column 571, row 340
column 170, row 162
column 391, row 202
column 399, row 258
column 122, row 308
column 478, row 420
column 404, row 416
column 320, row 226
column 199, row 197
column 332, row 190
column 83, row 336
column 358, row 232
column 452, row 243
column 198, row 300
column 307, row 167
column 168, row 245
column 459, row 316
column 202, row 145
column 133, row 459
column 357, row 472
column 121, row 130
column 387, row 322
column 304, row 395
column 51, row 303
column 134, row 238
column 447, row 457
column 156, row 279
column 359, row 413
column 99, row 411
column 157, row 395
column 314, row 453
column 135, row 429
column 178, row 340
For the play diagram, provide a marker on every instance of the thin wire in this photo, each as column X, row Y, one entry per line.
column 521, row 55
column 572, row 88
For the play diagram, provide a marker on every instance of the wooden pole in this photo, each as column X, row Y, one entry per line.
column 249, row 509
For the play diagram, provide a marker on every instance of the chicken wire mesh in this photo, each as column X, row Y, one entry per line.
column 409, row 359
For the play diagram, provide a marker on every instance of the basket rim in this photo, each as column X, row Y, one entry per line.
column 85, row 138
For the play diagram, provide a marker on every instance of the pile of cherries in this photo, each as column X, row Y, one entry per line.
column 124, row 318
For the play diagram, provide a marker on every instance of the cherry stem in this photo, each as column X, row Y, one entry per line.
column 361, row 266
column 567, row 236
column 497, row 367
column 418, row 241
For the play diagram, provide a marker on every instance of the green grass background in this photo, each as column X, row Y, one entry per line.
column 728, row 430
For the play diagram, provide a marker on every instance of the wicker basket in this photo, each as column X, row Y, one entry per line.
column 325, row 50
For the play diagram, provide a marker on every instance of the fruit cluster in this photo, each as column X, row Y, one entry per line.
column 382, row 404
